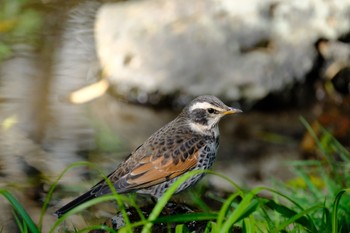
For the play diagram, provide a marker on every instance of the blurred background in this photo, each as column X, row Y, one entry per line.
column 91, row 80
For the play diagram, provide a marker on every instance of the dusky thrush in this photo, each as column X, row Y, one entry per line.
column 189, row 142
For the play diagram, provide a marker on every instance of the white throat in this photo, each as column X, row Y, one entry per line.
column 205, row 129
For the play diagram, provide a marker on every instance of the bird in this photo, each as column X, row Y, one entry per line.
column 189, row 142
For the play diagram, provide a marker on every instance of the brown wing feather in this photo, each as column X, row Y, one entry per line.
column 152, row 172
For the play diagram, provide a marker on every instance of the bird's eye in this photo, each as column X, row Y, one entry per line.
column 211, row 110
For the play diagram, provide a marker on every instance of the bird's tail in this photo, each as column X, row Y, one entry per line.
column 79, row 200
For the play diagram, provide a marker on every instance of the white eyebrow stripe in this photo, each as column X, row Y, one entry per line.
column 203, row 105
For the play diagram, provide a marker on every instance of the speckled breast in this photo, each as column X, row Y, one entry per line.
column 205, row 161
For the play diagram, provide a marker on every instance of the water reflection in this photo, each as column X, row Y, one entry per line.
column 41, row 133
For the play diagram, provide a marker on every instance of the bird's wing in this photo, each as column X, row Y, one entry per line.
column 150, row 172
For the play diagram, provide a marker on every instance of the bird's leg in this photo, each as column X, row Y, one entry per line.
column 154, row 200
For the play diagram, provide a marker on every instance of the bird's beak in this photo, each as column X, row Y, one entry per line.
column 232, row 111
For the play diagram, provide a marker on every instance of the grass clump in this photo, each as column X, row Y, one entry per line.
column 317, row 200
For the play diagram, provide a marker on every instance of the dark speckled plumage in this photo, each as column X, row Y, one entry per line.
column 187, row 143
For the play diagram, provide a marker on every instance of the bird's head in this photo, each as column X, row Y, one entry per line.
column 204, row 112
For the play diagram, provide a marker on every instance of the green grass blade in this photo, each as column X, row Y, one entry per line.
column 180, row 218
column 181, row 228
column 211, row 227
column 198, row 201
column 224, row 209
column 266, row 216
column 167, row 195
column 298, row 216
column 236, row 186
column 244, row 209
column 335, row 210
column 136, row 206
column 81, row 207
column 121, row 204
column 119, row 199
column 310, row 219
column 312, row 133
column 165, row 198
column 186, row 217
column 21, row 226
column 334, row 145
column 289, row 213
column 329, row 181
column 248, row 225
column 20, row 210
column 311, row 186
column 52, row 188
column 341, row 150
column 326, row 219
column 96, row 228
column 251, row 208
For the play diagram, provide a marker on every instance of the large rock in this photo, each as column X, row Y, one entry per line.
column 242, row 50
